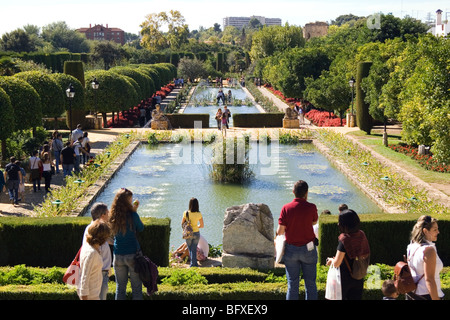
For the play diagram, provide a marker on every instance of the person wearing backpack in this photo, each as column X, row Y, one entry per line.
column 423, row 260
column 352, row 255
column 195, row 218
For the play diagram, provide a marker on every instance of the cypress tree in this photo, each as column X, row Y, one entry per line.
column 363, row 118
column 75, row 69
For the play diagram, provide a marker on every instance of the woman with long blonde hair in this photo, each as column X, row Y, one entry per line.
column 423, row 259
column 125, row 223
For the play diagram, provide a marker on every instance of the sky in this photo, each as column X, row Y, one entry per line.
column 128, row 15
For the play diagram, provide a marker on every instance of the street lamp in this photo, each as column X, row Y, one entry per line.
column 95, row 85
column 70, row 92
column 351, row 82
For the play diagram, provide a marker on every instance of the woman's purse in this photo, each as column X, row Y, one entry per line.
column 188, row 232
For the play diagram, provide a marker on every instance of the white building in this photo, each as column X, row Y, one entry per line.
column 441, row 28
column 240, row 22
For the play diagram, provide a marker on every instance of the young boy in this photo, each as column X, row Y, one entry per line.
column 99, row 211
column 389, row 290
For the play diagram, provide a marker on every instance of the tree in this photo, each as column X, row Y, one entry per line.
column 7, row 116
column 271, row 39
column 64, row 80
column 425, row 97
column 287, row 70
column 154, row 39
column 363, row 118
column 51, row 96
column 107, row 51
column 191, row 68
column 25, row 101
column 115, row 93
column 63, row 38
column 18, row 41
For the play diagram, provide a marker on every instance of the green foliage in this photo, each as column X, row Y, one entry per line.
column 272, row 39
column 363, row 118
column 258, row 120
column 230, row 161
column 52, row 98
column 25, row 102
column 22, row 275
column 7, row 116
column 181, row 277
column 287, row 70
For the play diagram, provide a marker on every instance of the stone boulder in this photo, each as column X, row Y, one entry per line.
column 248, row 237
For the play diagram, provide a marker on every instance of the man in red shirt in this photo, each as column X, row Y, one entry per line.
column 300, row 255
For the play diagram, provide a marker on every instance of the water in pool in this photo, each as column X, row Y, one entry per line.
column 204, row 101
column 164, row 186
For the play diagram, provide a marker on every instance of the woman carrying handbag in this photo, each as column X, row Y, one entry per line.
column 125, row 223
column 194, row 217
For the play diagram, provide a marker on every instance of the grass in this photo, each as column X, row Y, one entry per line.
column 375, row 142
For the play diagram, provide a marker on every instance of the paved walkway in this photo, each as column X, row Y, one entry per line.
column 102, row 138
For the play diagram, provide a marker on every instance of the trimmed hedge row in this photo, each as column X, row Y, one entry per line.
column 258, row 120
column 388, row 235
column 48, row 242
column 185, row 120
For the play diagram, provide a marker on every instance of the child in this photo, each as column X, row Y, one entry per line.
column 389, row 290
column 91, row 261
column 99, row 211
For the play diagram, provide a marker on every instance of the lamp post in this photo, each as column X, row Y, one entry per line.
column 95, row 85
column 351, row 82
column 70, row 92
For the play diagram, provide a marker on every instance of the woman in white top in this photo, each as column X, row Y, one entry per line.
column 91, row 262
column 423, row 259
column 46, row 170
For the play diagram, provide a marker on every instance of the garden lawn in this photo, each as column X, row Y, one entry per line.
column 375, row 142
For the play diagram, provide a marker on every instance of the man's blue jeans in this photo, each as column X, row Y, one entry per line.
column 57, row 155
column 296, row 260
column 192, row 247
column 124, row 266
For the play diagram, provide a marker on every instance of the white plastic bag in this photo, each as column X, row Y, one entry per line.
column 279, row 247
column 333, row 290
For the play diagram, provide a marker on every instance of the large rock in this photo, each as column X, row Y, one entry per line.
column 248, row 235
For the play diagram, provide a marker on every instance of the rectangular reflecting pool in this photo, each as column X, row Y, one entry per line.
column 204, row 101
column 164, row 184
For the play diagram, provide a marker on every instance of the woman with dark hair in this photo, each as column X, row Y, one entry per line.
column 352, row 244
column 125, row 223
column 423, row 259
column 195, row 219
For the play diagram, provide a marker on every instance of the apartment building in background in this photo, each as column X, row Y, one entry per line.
column 99, row 32
column 240, row 22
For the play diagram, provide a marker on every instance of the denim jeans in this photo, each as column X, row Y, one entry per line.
column 104, row 290
column 124, row 266
column 192, row 247
column 57, row 155
column 67, row 169
column 13, row 190
column 296, row 260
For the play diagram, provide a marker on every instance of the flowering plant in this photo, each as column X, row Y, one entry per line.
column 324, row 118
column 425, row 160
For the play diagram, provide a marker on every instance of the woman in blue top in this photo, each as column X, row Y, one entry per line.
column 125, row 222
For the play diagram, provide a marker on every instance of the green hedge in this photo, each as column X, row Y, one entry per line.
column 258, row 120
column 185, row 120
column 388, row 235
column 48, row 242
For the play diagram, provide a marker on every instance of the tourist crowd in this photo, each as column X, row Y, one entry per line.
column 296, row 223
column 52, row 157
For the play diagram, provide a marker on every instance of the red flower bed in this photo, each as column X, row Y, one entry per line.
column 131, row 117
column 323, row 119
column 425, row 160
column 319, row 118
